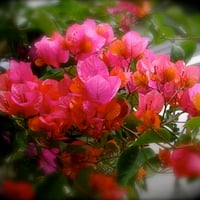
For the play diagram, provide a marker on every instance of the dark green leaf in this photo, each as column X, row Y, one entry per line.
column 125, row 165
column 53, row 73
column 189, row 48
column 52, row 187
column 177, row 53
column 130, row 161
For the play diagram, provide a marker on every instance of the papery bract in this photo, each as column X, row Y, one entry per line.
column 21, row 100
column 83, row 40
column 185, row 162
column 106, row 31
column 20, row 72
column 123, row 75
column 51, row 51
column 153, row 100
column 116, row 55
column 189, row 75
column 150, row 105
column 135, row 44
column 130, row 12
column 91, row 66
column 101, row 89
column 190, row 99
column 47, row 160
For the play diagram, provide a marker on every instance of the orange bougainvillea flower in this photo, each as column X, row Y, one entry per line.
column 18, row 190
column 164, row 156
column 150, row 105
column 141, row 174
column 73, row 162
column 124, row 76
column 105, row 187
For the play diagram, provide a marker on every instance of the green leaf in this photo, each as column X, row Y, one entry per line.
column 166, row 32
column 189, row 48
column 44, row 21
column 125, row 165
column 130, row 161
column 52, row 187
column 131, row 122
column 193, row 122
column 177, row 53
column 81, row 182
column 152, row 137
column 52, row 73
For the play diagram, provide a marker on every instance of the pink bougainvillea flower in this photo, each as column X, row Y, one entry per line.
column 115, row 56
column 189, row 75
column 20, row 94
column 139, row 82
column 106, row 31
column 102, row 89
column 140, row 79
column 20, row 72
column 190, row 100
column 135, row 44
column 31, row 150
column 130, row 12
column 51, row 51
column 47, row 160
column 121, row 51
column 185, row 162
column 21, row 100
column 91, row 66
column 106, row 187
column 83, row 39
column 163, row 70
column 150, row 105
column 153, row 100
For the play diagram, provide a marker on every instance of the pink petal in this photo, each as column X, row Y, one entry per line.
column 102, row 89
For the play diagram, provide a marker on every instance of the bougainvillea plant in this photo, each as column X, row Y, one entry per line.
column 82, row 115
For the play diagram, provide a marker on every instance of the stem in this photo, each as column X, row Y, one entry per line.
column 130, row 131
column 158, row 134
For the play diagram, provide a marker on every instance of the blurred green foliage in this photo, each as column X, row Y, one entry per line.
column 21, row 24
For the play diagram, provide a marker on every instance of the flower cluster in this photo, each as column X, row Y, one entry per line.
column 90, row 102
